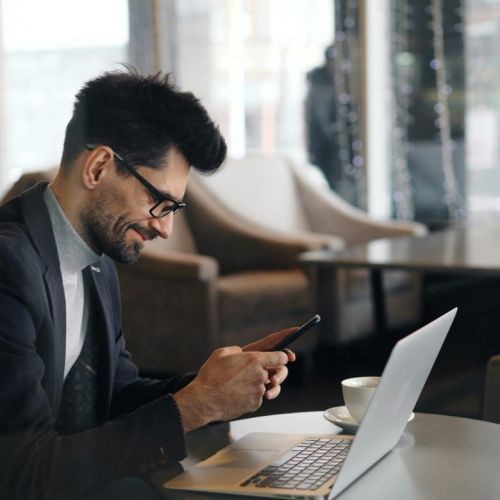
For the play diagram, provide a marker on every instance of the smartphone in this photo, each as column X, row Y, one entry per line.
column 292, row 337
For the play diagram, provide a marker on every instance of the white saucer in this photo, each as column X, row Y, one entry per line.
column 340, row 416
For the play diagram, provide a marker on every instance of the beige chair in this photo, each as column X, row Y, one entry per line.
column 491, row 411
column 215, row 282
column 293, row 200
column 28, row 180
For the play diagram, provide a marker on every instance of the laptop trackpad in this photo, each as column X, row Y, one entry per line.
column 265, row 441
column 228, row 467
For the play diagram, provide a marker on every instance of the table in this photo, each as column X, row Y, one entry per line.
column 472, row 249
column 437, row 458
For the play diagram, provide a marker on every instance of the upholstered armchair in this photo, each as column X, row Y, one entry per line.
column 492, row 391
column 215, row 282
column 292, row 199
column 28, row 180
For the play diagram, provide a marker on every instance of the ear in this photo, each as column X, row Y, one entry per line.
column 97, row 165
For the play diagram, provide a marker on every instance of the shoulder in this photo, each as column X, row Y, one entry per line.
column 14, row 235
column 22, row 286
column 19, row 258
column 20, row 264
column 16, row 245
column 11, row 211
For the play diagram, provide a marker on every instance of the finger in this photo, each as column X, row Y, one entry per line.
column 273, row 392
column 272, row 370
column 279, row 376
column 273, row 359
column 291, row 355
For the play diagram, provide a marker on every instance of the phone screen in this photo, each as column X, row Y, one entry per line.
column 292, row 337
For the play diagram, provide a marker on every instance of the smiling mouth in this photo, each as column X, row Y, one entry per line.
column 141, row 235
column 144, row 234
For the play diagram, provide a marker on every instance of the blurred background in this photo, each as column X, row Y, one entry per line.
column 396, row 103
column 413, row 86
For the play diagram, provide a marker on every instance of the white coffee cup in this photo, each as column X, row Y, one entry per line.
column 357, row 393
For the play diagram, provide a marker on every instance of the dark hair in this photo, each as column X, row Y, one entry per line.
column 141, row 118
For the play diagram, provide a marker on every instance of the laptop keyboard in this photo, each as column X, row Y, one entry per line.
column 307, row 466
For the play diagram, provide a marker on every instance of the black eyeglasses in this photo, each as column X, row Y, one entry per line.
column 164, row 204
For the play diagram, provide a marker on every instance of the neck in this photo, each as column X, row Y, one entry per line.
column 70, row 201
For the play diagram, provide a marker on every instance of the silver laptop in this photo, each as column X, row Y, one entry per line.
column 293, row 465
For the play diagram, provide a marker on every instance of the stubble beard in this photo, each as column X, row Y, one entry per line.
column 107, row 233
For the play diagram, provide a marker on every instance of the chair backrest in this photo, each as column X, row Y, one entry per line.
column 27, row 181
column 260, row 188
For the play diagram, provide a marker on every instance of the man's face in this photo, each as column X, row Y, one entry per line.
column 117, row 222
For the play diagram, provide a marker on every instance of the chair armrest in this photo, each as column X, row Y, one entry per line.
column 330, row 214
column 178, row 265
column 238, row 243
column 168, row 296
column 492, row 391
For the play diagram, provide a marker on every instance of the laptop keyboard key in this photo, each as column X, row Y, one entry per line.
column 306, row 466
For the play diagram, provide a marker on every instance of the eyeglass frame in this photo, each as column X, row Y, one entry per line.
column 157, row 195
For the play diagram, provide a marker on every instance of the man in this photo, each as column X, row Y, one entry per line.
column 74, row 414
column 321, row 120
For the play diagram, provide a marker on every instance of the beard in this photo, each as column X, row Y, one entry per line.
column 106, row 232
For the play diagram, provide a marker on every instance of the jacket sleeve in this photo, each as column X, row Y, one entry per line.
column 35, row 461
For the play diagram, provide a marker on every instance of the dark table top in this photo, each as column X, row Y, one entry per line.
column 471, row 248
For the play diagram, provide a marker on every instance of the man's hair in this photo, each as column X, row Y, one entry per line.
column 141, row 118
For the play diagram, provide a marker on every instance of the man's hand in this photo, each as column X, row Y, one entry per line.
column 233, row 382
column 277, row 375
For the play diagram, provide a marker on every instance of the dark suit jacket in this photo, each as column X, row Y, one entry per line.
column 141, row 420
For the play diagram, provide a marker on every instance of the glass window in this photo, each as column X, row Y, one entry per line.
column 247, row 60
column 49, row 49
column 482, row 124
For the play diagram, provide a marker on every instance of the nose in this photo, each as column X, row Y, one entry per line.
column 163, row 226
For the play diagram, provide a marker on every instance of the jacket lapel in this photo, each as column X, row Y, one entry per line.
column 104, row 307
column 40, row 228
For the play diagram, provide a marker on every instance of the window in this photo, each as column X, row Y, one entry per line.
column 446, row 80
column 247, row 60
column 482, row 124
column 49, row 49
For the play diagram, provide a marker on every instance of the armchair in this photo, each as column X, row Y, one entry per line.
column 215, row 282
column 28, row 180
column 284, row 197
